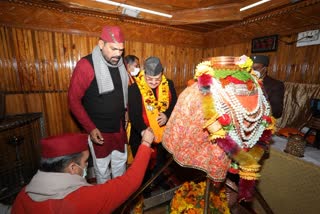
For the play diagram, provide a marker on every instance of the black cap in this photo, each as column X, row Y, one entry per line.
column 152, row 66
column 262, row 59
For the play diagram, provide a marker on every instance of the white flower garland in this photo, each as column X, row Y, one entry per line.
column 239, row 113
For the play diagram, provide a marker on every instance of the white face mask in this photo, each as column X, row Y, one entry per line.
column 84, row 171
column 257, row 73
column 135, row 72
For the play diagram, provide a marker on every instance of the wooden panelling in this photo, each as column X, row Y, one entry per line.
column 37, row 66
column 17, row 13
column 289, row 63
column 41, row 50
column 43, row 61
column 195, row 15
column 285, row 21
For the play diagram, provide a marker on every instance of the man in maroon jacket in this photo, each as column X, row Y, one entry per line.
column 60, row 187
column 97, row 96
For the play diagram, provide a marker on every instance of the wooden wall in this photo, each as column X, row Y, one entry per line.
column 40, row 51
column 42, row 44
column 289, row 63
column 298, row 67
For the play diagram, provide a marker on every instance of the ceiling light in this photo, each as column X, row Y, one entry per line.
column 253, row 5
column 134, row 8
column 129, row 12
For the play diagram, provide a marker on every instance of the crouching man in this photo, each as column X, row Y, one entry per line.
column 60, row 185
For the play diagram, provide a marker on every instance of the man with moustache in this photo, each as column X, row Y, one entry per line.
column 98, row 96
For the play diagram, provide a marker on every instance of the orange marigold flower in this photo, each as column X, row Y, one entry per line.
column 193, row 202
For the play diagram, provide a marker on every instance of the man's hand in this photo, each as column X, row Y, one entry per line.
column 96, row 136
column 147, row 137
column 162, row 119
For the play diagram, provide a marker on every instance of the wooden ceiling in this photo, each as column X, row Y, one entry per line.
column 195, row 15
column 212, row 17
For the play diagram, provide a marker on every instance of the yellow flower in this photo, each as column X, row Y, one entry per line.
column 272, row 126
column 245, row 62
column 162, row 103
column 204, row 68
column 218, row 134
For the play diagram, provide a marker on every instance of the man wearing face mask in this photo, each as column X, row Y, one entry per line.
column 97, row 96
column 133, row 69
column 59, row 185
column 132, row 66
column 274, row 88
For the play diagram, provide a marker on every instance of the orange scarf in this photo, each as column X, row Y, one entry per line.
column 152, row 106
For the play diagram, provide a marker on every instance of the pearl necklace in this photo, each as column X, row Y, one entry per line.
column 239, row 113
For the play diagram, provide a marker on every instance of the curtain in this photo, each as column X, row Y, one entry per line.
column 297, row 100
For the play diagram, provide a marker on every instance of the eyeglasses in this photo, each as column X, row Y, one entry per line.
column 258, row 68
column 155, row 79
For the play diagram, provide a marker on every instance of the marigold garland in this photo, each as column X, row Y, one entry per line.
column 208, row 107
column 204, row 68
column 162, row 103
column 218, row 126
column 190, row 199
column 152, row 105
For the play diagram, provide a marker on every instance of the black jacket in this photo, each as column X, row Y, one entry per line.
column 275, row 95
column 135, row 110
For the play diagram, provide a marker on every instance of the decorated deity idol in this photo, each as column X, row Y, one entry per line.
column 222, row 122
